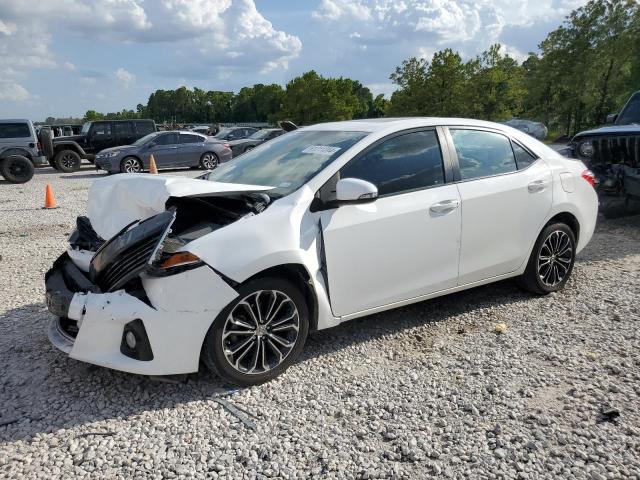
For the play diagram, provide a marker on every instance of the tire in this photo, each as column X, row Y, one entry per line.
column 209, row 161
column 556, row 242
column 218, row 355
column 16, row 169
column 131, row 165
column 68, row 161
column 45, row 137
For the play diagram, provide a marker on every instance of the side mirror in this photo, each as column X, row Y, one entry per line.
column 611, row 118
column 354, row 190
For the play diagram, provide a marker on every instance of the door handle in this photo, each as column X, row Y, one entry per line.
column 537, row 186
column 444, row 207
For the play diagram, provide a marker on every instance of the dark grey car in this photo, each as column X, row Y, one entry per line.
column 238, row 147
column 228, row 134
column 169, row 149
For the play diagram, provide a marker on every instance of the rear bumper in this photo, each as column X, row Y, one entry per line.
column 175, row 316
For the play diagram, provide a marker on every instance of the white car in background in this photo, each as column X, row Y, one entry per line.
column 325, row 224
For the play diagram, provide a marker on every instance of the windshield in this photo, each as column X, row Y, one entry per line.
column 287, row 162
column 631, row 112
column 222, row 134
column 145, row 139
column 85, row 128
column 259, row 135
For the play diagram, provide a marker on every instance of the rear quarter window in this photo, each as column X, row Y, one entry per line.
column 14, row 130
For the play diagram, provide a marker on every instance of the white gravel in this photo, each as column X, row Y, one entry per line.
column 426, row 390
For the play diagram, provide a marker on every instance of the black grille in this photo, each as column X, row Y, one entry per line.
column 618, row 149
column 130, row 252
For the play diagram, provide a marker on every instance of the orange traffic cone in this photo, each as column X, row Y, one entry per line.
column 49, row 199
column 152, row 165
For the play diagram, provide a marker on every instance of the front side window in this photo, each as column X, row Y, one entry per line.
column 407, row 162
column 102, row 129
column 14, row 130
column 482, row 154
column 287, row 162
column 166, row 139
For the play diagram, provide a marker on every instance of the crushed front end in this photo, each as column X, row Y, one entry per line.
column 136, row 302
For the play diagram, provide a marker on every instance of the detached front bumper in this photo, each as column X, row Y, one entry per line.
column 168, row 320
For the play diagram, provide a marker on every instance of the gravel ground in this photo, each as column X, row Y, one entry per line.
column 426, row 390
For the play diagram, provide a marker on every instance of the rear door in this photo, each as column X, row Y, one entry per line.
column 125, row 134
column 190, row 149
column 504, row 201
column 406, row 243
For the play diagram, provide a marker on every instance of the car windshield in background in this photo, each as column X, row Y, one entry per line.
column 145, row 139
column 85, row 127
column 259, row 135
column 222, row 133
column 631, row 113
column 287, row 162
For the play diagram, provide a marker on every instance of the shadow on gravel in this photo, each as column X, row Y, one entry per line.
column 53, row 171
column 42, row 390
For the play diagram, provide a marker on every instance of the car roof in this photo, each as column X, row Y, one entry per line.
column 15, row 120
column 379, row 124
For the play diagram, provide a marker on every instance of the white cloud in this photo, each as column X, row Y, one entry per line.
column 69, row 66
column 12, row 92
column 124, row 76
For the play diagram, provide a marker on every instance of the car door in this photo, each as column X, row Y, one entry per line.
column 403, row 245
column 504, row 201
column 165, row 150
column 190, row 149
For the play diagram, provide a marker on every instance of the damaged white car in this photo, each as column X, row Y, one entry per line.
column 321, row 225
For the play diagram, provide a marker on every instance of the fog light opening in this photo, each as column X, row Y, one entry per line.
column 130, row 339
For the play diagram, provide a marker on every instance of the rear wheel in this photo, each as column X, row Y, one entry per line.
column 208, row 161
column 16, row 169
column 260, row 334
column 551, row 261
column 68, row 161
column 130, row 165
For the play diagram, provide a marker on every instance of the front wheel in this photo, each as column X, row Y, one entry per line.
column 16, row 169
column 68, row 161
column 130, row 165
column 208, row 161
column 551, row 261
column 260, row 334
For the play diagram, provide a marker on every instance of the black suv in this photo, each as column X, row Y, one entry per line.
column 69, row 151
column 612, row 152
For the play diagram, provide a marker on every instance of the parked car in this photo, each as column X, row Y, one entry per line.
column 535, row 129
column 227, row 134
column 244, row 145
column 20, row 150
column 613, row 151
column 69, row 151
column 325, row 224
column 169, row 149
column 203, row 129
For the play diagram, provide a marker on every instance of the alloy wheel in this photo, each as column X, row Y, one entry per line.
column 260, row 332
column 554, row 259
column 131, row 165
column 67, row 160
column 17, row 169
column 209, row 161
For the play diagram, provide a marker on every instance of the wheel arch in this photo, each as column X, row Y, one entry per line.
column 15, row 151
column 73, row 146
column 569, row 219
column 297, row 274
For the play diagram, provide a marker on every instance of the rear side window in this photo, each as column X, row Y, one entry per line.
column 523, row 158
column 124, row 129
column 186, row 138
column 14, row 130
column 144, row 128
column 167, row 139
column 482, row 154
column 407, row 162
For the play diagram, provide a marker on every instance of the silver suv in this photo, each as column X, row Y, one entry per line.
column 20, row 150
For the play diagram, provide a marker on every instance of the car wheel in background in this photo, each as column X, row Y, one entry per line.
column 68, row 161
column 208, row 161
column 16, row 169
column 260, row 334
column 131, row 165
column 551, row 261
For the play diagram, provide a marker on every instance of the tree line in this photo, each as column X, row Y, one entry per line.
column 584, row 69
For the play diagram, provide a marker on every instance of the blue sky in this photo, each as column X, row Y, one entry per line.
column 67, row 56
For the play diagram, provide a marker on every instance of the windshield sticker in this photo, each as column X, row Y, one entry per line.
column 321, row 149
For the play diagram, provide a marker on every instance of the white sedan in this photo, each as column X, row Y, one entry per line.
column 322, row 225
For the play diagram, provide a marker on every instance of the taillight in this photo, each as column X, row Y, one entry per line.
column 589, row 177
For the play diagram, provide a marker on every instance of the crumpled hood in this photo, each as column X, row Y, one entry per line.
column 116, row 201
